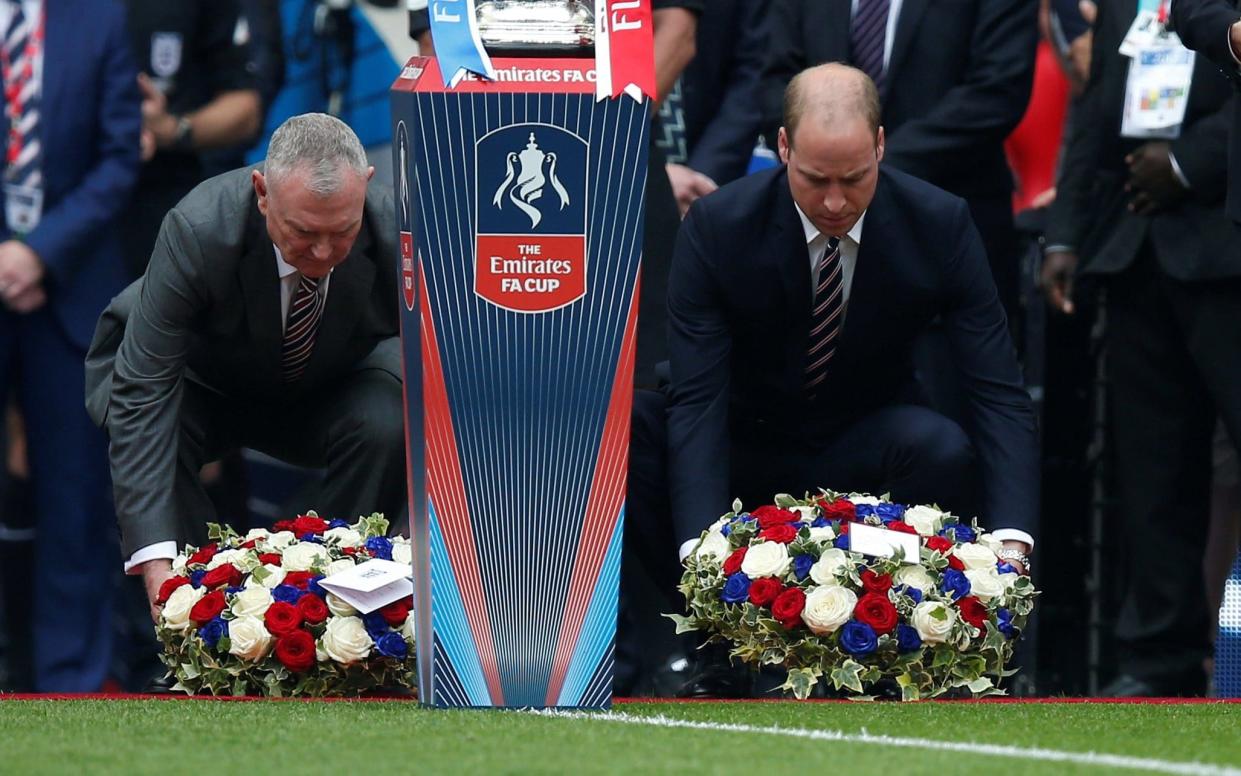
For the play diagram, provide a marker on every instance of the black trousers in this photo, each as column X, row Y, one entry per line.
column 1174, row 366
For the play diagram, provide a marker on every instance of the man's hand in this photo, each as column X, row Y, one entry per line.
column 1057, row 280
column 688, row 185
column 155, row 116
column 1234, row 37
column 154, row 573
column 21, row 276
column 1023, row 548
column 1152, row 185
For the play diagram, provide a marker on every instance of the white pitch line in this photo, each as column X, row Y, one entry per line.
column 839, row 736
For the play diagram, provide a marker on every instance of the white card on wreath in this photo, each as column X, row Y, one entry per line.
column 371, row 585
column 882, row 543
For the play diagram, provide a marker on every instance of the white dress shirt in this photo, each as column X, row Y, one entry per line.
column 289, row 278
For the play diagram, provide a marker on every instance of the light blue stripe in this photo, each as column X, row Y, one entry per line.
column 448, row 618
column 454, row 28
column 599, row 628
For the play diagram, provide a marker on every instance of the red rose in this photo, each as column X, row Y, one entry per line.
column 876, row 583
column 349, row 550
column 939, row 544
column 305, row 524
column 788, row 605
column 781, row 532
column 270, row 558
column 203, row 556
column 875, row 610
column 900, row 527
column 764, row 591
column 955, row 562
column 298, row 579
column 395, row 613
column 170, row 584
column 220, row 576
column 844, row 529
column 972, row 611
column 840, row 509
column 282, row 525
column 208, row 607
column 282, row 618
column 313, row 610
column 768, row 516
column 249, row 545
column 732, row 564
column 296, row 650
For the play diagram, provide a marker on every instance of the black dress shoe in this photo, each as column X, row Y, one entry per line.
column 160, row 685
column 715, row 676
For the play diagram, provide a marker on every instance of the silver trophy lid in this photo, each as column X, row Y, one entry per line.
column 537, row 26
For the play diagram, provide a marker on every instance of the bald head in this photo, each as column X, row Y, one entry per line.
column 830, row 95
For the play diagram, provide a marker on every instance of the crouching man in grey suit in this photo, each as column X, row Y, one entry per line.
column 267, row 319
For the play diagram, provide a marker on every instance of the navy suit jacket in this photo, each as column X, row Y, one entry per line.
column 739, row 312
column 90, row 117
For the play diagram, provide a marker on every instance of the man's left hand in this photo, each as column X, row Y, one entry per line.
column 688, row 185
column 1024, row 549
column 21, row 276
column 1152, row 185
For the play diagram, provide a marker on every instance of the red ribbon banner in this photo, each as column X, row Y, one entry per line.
column 624, row 49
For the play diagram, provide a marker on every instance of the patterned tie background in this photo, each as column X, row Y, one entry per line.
column 305, row 312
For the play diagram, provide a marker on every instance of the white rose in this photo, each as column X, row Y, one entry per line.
column 402, row 553
column 227, row 556
column 990, row 542
column 178, row 565
column 822, row 534
column 337, row 566
column 925, row 520
column 407, row 630
column 257, row 533
column 808, row 514
column 338, row 607
column 985, row 583
column 714, row 546
column 1009, row 579
column 933, row 621
column 343, row 537
column 915, row 577
column 829, row 564
column 300, row 557
column 768, row 559
column 975, row 556
column 857, row 500
column 176, row 611
column 346, row 640
column 718, row 524
column 274, row 577
column 280, row 540
column 251, row 602
column 828, row 607
column 248, row 638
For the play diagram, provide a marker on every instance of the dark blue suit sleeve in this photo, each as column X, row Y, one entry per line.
column 62, row 238
column 1001, row 417
column 699, row 346
column 1203, row 26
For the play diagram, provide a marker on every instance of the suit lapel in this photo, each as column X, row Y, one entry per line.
column 906, row 25
column 831, row 26
column 260, row 287
column 791, row 255
column 348, row 292
column 872, row 276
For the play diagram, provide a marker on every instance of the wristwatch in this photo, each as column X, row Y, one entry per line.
column 1008, row 553
column 183, row 139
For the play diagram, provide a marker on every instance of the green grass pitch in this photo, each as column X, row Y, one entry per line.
column 210, row 737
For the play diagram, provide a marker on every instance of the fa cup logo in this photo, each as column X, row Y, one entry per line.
column 524, row 183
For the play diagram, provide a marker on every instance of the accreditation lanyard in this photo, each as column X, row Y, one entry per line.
column 15, row 82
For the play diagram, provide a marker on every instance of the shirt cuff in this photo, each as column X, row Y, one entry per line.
column 1228, row 42
column 157, row 551
column 1178, row 172
column 686, row 548
column 1013, row 535
column 1058, row 248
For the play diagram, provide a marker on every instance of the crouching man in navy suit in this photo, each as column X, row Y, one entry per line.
column 794, row 298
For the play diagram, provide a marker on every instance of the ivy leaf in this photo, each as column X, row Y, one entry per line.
column 980, row 685
column 784, row 501
column 849, row 675
column 684, row 624
column 801, row 682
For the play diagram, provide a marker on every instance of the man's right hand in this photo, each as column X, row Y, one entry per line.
column 1057, row 280
column 154, row 574
column 1234, row 36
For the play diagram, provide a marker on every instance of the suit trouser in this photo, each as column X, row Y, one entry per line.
column 76, row 559
column 1174, row 366
column 354, row 429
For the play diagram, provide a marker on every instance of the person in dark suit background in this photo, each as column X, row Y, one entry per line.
column 1146, row 218
column 267, row 319
column 1213, row 28
column 70, row 133
column 954, row 78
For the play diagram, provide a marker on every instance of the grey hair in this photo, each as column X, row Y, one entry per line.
column 321, row 146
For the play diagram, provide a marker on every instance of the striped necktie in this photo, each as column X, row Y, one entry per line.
column 22, row 42
column 305, row 312
column 867, row 35
column 824, row 317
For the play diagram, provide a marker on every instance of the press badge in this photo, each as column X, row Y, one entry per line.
column 1142, row 33
column 1157, row 90
column 23, row 207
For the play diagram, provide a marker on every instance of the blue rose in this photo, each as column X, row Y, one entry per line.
column 1004, row 618
column 213, row 631
column 233, row 590
column 841, row 543
column 907, row 638
column 376, row 625
column 380, row 547
column 727, row 528
column 337, row 523
column 801, row 566
column 961, row 533
column 1005, row 568
column 821, row 522
column 391, row 645
column 314, row 587
column 889, row 512
column 864, row 511
column 955, row 583
column 310, row 537
column 736, row 589
column 914, row 593
column 286, row 593
column 747, row 517
column 196, row 577
column 858, row 638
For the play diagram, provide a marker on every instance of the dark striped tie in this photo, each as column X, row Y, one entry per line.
column 305, row 311
column 21, row 93
column 867, row 35
column 824, row 317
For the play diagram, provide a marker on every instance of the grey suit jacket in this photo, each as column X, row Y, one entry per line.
column 208, row 310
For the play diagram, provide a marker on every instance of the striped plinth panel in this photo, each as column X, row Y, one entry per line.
column 527, row 230
column 1228, row 641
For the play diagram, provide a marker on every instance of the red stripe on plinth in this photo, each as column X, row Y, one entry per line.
column 446, row 491
column 607, row 496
